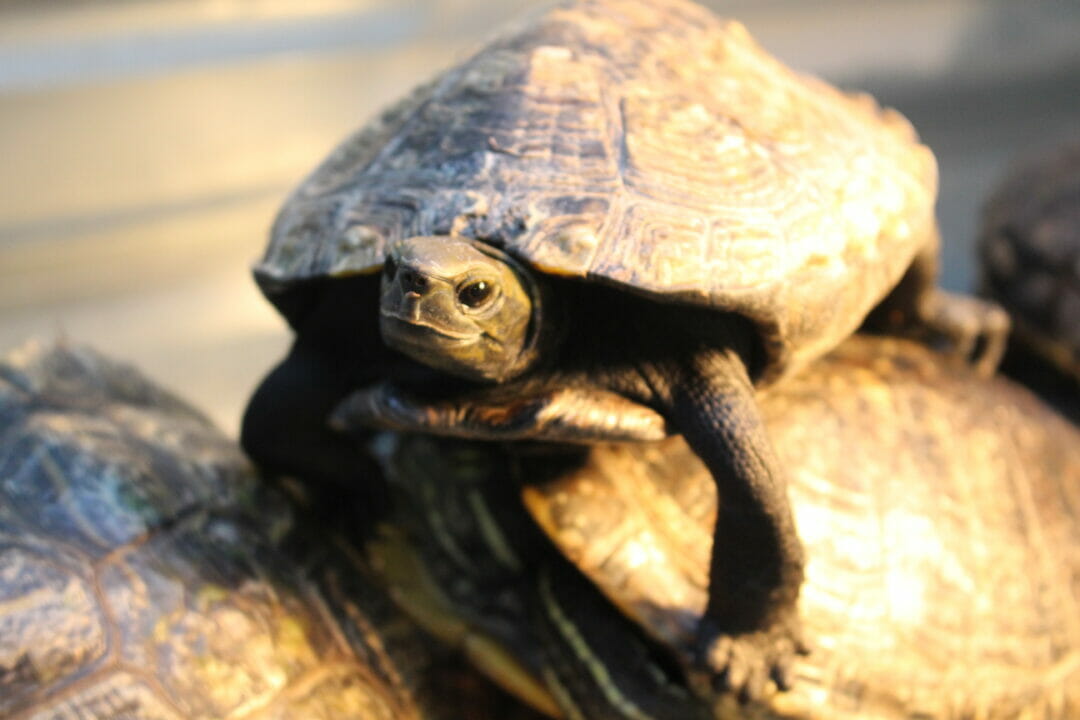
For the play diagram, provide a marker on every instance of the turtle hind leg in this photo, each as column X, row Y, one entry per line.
column 969, row 328
column 975, row 330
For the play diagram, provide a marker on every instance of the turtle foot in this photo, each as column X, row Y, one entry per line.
column 750, row 665
column 976, row 330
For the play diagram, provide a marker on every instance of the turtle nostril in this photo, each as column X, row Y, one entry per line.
column 412, row 281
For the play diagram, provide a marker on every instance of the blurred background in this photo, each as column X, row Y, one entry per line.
column 145, row 144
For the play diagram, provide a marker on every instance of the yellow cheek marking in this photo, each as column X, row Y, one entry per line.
column 566, row 702
column 593, row 665
column 501, row 666
column 493, row 535
column 437, row 524
column 419, row 596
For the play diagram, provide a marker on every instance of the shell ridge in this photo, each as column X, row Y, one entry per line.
column 651, row 146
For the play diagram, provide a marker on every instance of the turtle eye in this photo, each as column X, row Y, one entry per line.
column 475, row 294
column 389, row 268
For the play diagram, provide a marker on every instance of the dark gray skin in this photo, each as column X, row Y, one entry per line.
column 467, row 309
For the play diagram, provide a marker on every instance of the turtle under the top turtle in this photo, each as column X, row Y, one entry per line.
column 620, row 198
column 145, row 572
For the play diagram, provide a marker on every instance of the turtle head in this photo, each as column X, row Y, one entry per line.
column 459, row 306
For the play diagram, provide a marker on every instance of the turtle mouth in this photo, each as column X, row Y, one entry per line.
column 406, row 328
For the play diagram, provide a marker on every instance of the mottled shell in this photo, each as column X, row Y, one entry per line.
column 641, row 143
column 941, row 519
column 145, row 573
column 1030, row 248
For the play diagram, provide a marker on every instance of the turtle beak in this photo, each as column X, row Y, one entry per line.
column 424, row 301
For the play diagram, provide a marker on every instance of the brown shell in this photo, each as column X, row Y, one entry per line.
column 145, row 572
column 1030, row 248
column 645, row 144
column 941, row 519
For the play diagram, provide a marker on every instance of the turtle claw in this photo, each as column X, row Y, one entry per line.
column 976, row 330
column 783, row 673
column 749, row 666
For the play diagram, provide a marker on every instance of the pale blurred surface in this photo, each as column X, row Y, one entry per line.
column 145, row 144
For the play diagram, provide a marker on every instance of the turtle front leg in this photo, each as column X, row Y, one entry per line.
column 750, row 632
column 285, row 432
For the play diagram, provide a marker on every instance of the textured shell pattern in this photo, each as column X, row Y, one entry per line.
column 649, row 145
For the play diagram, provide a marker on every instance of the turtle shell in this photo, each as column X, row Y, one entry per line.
column 145, row 572
column 940, row 516
column 1030, row 249
column 648, row 145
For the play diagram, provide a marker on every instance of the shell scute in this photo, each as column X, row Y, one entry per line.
column 683, row 266
column 564, row 245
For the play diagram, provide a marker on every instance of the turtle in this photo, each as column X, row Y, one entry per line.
column 619, row 198
column 145, row 571
column 1029, row 245
column 940, row 510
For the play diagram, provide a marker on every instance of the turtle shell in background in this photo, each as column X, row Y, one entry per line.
column 1029, row 244
column 643, row 144
column 145, row 572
